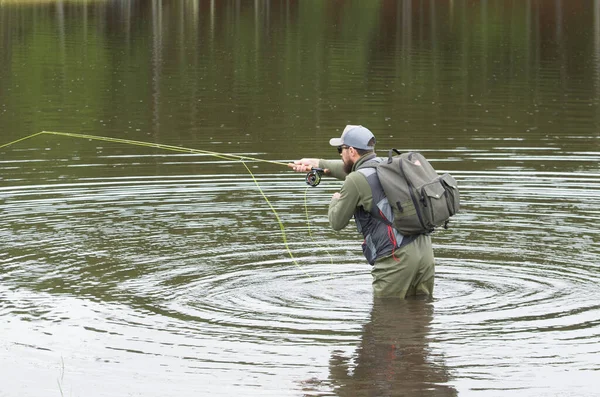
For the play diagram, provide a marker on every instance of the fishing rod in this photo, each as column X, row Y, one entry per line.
column 312, row 178
column 224, row 156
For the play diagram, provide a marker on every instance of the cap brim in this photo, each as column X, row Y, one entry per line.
column 335, row 142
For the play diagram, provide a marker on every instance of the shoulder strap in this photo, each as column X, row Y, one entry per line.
column 368, row 168
column 391, row 154
column 371, row 163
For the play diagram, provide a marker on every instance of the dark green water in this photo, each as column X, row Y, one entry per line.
column 129, row 270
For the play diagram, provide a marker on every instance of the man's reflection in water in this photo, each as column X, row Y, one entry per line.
column 393, row 357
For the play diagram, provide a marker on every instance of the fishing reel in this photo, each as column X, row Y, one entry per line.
column 313, row 178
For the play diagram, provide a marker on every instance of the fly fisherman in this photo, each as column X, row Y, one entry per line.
column 402, row 265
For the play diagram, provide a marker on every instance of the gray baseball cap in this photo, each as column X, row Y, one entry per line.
column 355, row 136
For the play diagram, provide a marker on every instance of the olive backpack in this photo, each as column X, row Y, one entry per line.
column 420, row 198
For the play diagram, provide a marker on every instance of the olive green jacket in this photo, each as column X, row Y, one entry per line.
column 355, row 192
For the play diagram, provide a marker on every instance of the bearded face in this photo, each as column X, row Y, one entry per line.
column 348, row 164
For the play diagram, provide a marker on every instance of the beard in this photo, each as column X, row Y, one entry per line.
column 348, row 166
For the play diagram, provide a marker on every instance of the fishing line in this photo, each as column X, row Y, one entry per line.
column 308, row 221
column 283, row 235
column 21, row 139
column 224, row 156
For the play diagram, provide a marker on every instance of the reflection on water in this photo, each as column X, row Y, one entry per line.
column 133, row 271
column 393, row 355
column 245, row 73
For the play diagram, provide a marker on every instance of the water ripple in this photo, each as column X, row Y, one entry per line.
column 195, row 268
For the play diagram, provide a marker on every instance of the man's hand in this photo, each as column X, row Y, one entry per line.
column 304, row 165
column 336, row 196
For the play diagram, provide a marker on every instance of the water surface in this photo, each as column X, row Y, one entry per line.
column 130, row 270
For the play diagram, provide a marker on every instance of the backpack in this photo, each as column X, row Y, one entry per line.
column 421, row 200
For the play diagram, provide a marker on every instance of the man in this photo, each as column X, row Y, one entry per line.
column 401, row 265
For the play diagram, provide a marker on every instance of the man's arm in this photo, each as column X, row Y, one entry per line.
column 343, row 204
column 333, row 168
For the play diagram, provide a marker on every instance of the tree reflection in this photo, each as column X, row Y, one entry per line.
column 410, row 61
column 394, row 356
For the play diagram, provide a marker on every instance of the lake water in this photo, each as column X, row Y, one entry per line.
column 140, row 271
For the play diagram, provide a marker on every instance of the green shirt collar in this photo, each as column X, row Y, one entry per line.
column 362, row 159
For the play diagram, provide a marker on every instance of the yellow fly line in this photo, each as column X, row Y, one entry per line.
column 181, row 149
column 308, row 222
column 146, row 144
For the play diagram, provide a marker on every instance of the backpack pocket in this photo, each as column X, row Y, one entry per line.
column 439, row 200
column 452, row 193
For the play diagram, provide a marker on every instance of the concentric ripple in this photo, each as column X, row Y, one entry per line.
column 191, row 272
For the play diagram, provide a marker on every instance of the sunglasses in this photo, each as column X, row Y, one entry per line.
column 341, row 148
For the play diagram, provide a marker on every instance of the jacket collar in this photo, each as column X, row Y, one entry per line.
column 363, row 159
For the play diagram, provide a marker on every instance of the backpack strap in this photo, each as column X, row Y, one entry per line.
column 391, row 154
column 368, row 168
column 372, row 162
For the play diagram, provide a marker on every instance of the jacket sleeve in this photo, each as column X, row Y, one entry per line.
column 341, row 210
column 335, row 167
